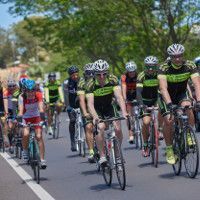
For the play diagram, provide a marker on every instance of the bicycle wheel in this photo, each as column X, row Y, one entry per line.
column 155, row 145
column 96, row 157
column 37, row 162
column 54, row 124
column 107, row 169
column 119, row 164
column 152, row 143
column 2, row 146
column 138, row 134
column 177, row 151
column 191, row 158
column 57, row 126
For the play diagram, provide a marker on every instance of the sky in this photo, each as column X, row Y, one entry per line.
column 6, row 20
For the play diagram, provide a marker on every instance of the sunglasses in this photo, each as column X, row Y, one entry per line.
column 101, row 74
column 151, row 68
column 89, row 73
column 11, row 86
column 176, row 56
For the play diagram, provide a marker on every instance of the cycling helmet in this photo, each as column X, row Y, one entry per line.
column 131, row 66
column 21, row 82
column 101, row 65
column 151, row 60
column 197, row 61
column 175, row 49
column 11, row 83
column 73, row 69
column 52, row 75
column 29, row 84
column 89, row 67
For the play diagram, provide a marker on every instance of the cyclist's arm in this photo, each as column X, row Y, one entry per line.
column 41, row 106
column 139, row 90
column 82, row 102
column 20, row 106
column 90, row 103
column 60, row 90
column 123, row 85
column 46, row 94
column 196, row 83
column 120, row 99
column 163, row 88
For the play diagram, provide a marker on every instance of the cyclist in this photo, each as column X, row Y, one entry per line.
column 53, row 95
column 71, row 84
column 128, row 84
column 173, row 78
column 31, row 110
column 10, row 109
column 87, row 118
column 147, row 94
column 100, row 92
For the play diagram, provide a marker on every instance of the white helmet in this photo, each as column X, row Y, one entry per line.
column 197, row 60
column 175, row 49
column 151, row 60
column 101, row 65
column 89, row 67
column 11, row 82
column 131, row 66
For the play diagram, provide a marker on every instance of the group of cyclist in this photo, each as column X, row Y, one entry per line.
column 99, row 93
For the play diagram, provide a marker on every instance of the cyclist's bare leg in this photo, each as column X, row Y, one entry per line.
column 100, row 139
column 25, row 138
column 49, row 116
column 89, row 136
column 167, row 130
column 40, row 142
column 145, row 128
column 118, row 130
column 129, row 108
column 189, row 112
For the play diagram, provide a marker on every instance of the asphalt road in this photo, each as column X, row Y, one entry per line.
column 69, row 176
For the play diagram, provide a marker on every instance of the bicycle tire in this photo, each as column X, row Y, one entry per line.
column 156, row 145
column 119, row 164
column 2, row 145
column 37, row 161
column 57, row 127
column 138, row 135
column 191, row 151
column 177, row 151
column 152, row 143
column 54, row 125
column 107, row 169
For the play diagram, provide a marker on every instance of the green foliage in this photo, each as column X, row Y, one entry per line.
column 81, row 31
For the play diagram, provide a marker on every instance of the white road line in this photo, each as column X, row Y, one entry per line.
column 37, row 189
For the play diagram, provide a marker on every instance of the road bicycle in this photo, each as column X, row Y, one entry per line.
column 80, row 141
column 185, row 143
column 136, row 124
column 55, row 120
column 153, row 142
column 33, row 151
column 114, row 156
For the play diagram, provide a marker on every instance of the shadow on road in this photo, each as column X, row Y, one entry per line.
column 90, row 172
column 129, row 148
column 31, row 179
column 102, row 187
column 142, row 165
column 73, row 156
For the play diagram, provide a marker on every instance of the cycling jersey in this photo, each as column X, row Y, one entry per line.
column 177, row 79
column 53, row 92
column 31, row 108
column 72, row 86
column 103, row 96
column 149, row 85
column 130, row 86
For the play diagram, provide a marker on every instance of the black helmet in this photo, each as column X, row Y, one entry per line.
column 52, row 75
column 73, row 69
